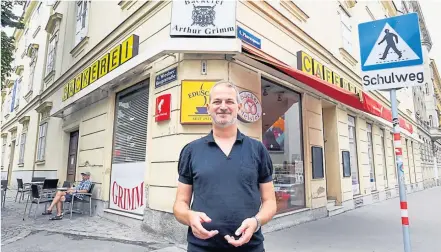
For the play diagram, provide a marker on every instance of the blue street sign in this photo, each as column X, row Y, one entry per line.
column 248, row 37
column 390, row 43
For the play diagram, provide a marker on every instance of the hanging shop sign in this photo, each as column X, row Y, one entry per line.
column 192, row 18
column 194, row 101
column 117, row 56
column 163, row 107
column 166, row 77
column 251, row 107
column 309, row 65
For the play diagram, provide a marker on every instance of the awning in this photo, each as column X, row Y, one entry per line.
column 366, row 103
column 337, row 93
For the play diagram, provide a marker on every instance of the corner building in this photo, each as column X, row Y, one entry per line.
column 128, row 93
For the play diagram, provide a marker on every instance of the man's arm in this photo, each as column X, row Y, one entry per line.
column 269, row 205
column 181, row 208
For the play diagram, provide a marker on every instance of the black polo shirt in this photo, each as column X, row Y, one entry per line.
column 225, row 188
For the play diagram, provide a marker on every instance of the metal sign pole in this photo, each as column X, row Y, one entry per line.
column 400, row 171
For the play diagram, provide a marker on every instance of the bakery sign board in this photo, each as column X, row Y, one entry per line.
column 117, row 56
column 199, row 18
column 251, row 107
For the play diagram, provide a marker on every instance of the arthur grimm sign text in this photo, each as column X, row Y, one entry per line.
column 104, row 65
column 192, row 18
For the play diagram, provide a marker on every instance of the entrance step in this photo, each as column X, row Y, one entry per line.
column 331, row 204
column 335, row 210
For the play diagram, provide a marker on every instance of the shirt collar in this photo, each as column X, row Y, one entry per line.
column 210, row 138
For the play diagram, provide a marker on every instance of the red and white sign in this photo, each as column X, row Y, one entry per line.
column 251, row 108
column 127, row 187
column 163, row 107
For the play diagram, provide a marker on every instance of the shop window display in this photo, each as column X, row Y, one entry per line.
column 282, row 136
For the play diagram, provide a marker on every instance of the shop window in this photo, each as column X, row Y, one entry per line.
column 282, row 136
column 82, row 18
column 353, row 155
column 41, row 145
column 131, row 127
column 371, row 157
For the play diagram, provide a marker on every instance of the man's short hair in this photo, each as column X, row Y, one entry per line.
column 228, row 84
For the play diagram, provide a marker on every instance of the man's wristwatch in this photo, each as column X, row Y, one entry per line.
column 258, row 224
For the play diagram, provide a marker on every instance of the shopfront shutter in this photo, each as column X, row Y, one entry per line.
column 131, row 125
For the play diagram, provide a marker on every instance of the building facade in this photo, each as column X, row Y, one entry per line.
column 121, row 98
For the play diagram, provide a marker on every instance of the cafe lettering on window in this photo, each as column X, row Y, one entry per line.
column 104, row 65
column 307, row 64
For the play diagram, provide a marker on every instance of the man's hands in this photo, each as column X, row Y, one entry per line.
column 247, row 230
column 195, row 220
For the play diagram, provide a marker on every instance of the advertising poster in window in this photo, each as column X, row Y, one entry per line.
column 129, row 150
column 194, row 101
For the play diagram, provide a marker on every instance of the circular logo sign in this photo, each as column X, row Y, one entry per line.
column 251, row 108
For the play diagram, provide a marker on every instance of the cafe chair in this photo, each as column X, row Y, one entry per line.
column 87, row 198
column 37, row 199
column 21, row 189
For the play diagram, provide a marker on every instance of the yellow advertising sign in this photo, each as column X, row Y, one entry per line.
column 309, row 65
column 194, row 100
column 108, row 62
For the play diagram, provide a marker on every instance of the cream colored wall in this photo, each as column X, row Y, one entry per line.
column 162, row 172
column 418, row 166
column 391, row 167
column 343, row 140
column 332, row 154
column 363, row 158
column 378, row 157
column 152, row 16
column 93, row 144
column 313, row 136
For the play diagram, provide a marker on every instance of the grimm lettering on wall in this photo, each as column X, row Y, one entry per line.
column 193, row 18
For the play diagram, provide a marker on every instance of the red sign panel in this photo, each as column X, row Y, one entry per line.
column 163, row 107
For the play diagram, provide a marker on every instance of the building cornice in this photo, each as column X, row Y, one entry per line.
column 426, row 39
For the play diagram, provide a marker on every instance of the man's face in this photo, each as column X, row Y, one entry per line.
column 85, row 177
column 223, row 106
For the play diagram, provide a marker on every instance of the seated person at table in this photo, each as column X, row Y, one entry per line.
column 83, row 187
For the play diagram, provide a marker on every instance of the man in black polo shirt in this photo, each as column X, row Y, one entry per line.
column 229, row 176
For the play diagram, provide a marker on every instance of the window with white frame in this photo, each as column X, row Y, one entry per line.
column 346, row 30
column 51, row 55
column 3, row 150
column 17, row 93
column 41, row 145
column 22, row 148
column 32, row 68
column 82, row 17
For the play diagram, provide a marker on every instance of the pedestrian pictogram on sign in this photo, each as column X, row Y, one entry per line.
column 389, row 48
column 391, row 53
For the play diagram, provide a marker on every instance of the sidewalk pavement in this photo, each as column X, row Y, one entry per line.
column 13, row 228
